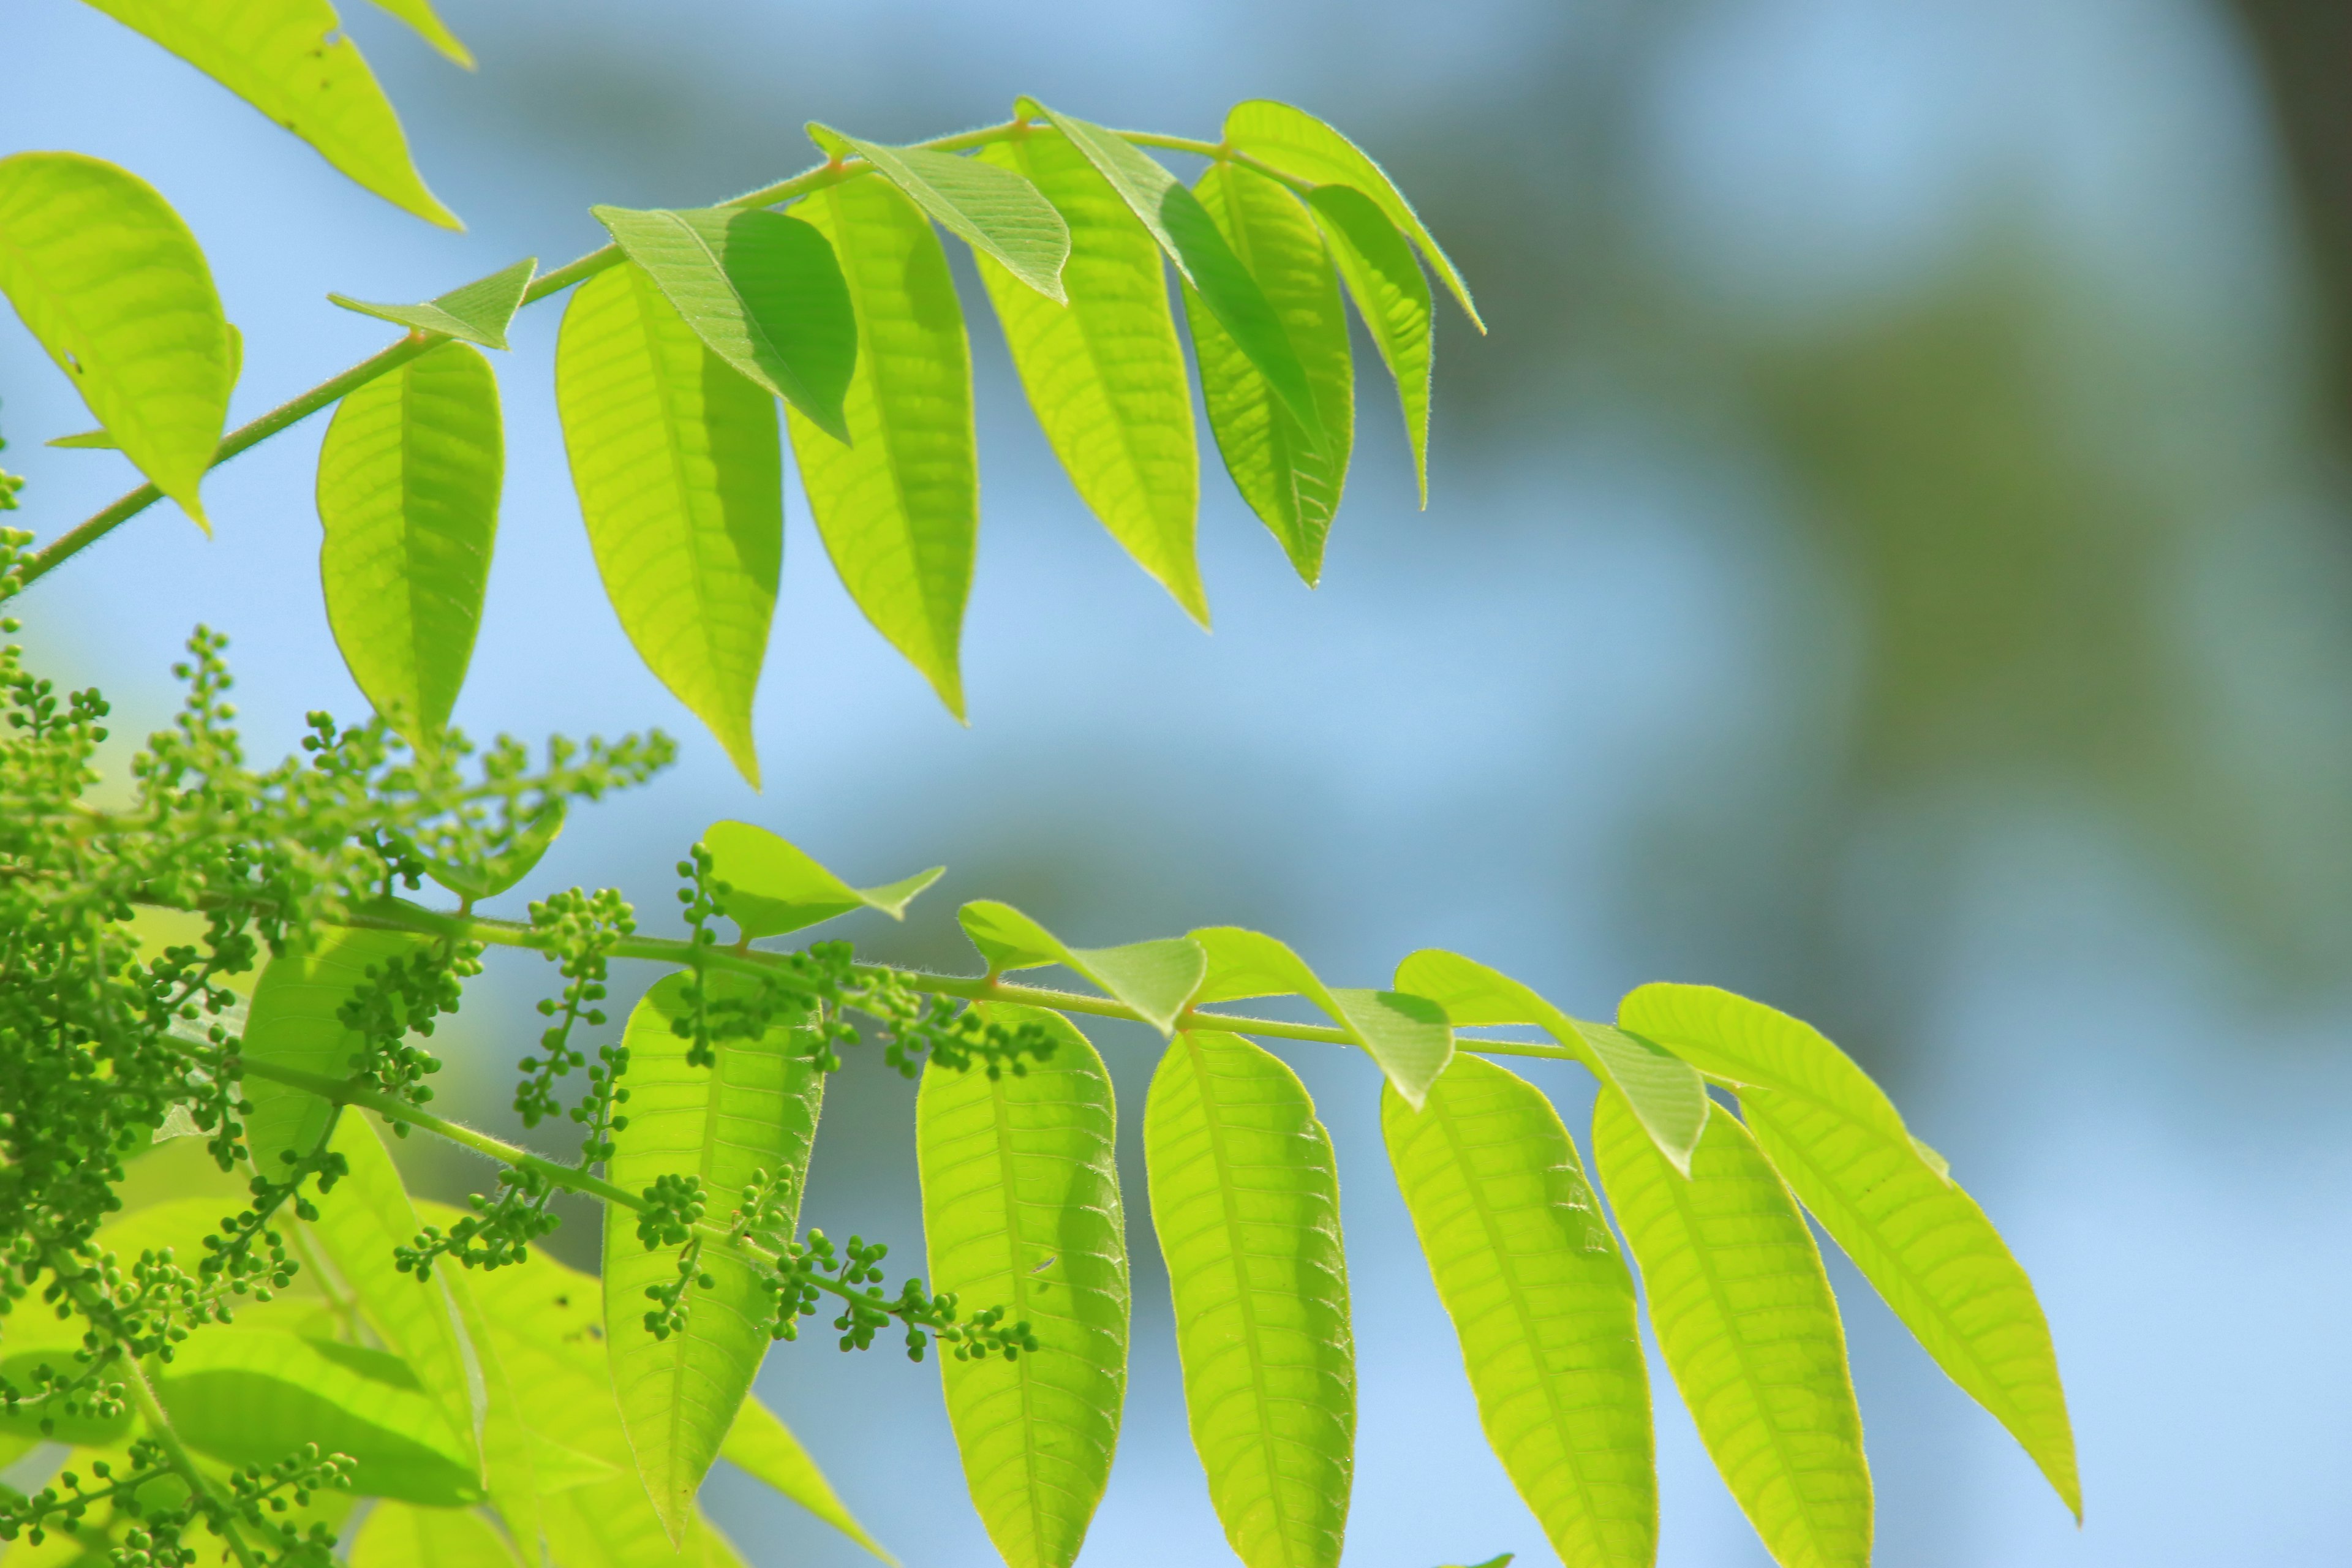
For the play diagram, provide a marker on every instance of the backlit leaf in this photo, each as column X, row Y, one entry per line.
column 402, row 1535
column 1105, row 374
column 1291, row 478
column 899, row 506
column 761, row 289
column 1668, row 1095
column 610, row 1526
column 1021, row 1208
column 291, row 60
column 107, row 278
column 419, row 14
column 409, row 477
column 293, row 1023
column 1392, row 295
column 1744, row 1317
column 755, row 1110
column 763, row 1448
column 1406, row 1035
column 251, row 1396
column 1245, row 1200
column 1301, row 145
column 1750, row 1044
column 1205, row 259
column 495, row 874
column 993, row 209
column 476, row 313
column 680, row 479
column 1542, row 1304
column 774, row 887
column 1156, row 978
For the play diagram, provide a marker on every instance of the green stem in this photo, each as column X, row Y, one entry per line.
column 218, row 1512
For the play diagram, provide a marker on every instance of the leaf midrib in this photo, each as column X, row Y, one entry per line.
column 1008, row 1183
column 674, row 449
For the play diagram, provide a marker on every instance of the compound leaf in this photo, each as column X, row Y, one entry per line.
column 1408, row 1035
column 680, row 478
column 1106, row 376
column 774, row 887
column 1021, row 1208
column 755, row 1110
column 1668, row 1095
column 291, row 60
column 1156, row 978
column 762, row 288
column 1744, row 1316
column 476, row 312
column 1541, row 1302
column 1246, row 1199
column 1301, row 145
column 292, row 1022
column 110, row 282
column 402, row 1535
column 992, row 208
column 409, row 479
column 899, row 506
column 1291, row 478
column 1205, row 259
column 419, row 14
column 1392, row 295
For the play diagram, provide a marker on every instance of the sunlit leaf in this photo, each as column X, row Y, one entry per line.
column 1750, row 1044
column 774, row 887
column 676, row 459
column 1021, row 1209
column 110, row 281
column 419, row 14
column 899, row 506
column 1203, row 257
column 402, row 1535
column 763, row 1448
column 761, row 290
column 1392, row 295
column 1744, row 1316
column 1542, row 1304
column 1668, row 1095
column 291, row 60
column 1301, row 145
column 509, row 866
column 1406, row 1035
column 993, row 209
column 251, row 1396
column 755, row 1110
column 1156, row 978
column 1245, row 1200
column 476, row 312
column 1106, row 374
column 1290, row 477
column 293, row 1023
column 409, row 479
column 611, row 1526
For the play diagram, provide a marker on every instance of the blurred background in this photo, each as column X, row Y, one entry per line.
column 1893, row 557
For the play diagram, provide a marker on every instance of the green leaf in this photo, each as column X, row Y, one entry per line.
column 611, row 1526
column 1744, row 1316
column 107, row 278
column 87, row 441
column 1203, row 258
column 1291, row 478
column 681, row 481
column 763, row 1448
column 402, row 1535
column 1106, row 376
column 755, row 1110
column 408, row 489
column 1408, row 1035
column 1021, row 1209
column 1301, row 145
column 1936, row 1259
column 511, row 865
column 419, row 13
column 515, row 1457
column 1156, row 978
column 992, row 209
column 251, row 1396
column 1755, row 1045
column 1392, row 296
column 1245, row 1200
column 774, row 887
column 360, row 1222
column 1666, row 1093
column 899, row 506
column 761, row 289
column 1541, row 1302
column 293, row 1023
column 291, row 60
column 476, row 312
